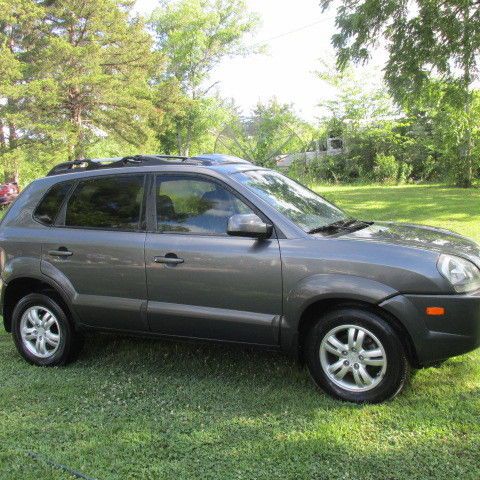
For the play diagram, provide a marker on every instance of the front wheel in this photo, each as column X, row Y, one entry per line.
column 355, row 355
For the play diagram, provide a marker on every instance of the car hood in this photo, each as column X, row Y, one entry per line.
column 419, row 236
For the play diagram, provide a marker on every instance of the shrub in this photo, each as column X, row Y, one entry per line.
column 404, row 172
column 386, row 168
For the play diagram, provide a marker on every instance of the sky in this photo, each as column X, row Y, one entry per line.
column 297, row 34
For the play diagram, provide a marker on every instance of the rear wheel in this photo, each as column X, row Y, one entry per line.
column 355, row 355
column 42, row 331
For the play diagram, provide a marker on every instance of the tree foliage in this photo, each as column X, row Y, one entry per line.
column 194, row 36
column 74, row 72
column 426, row 40
column 272, row 129
column 89, row 78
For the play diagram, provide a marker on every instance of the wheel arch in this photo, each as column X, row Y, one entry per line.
column 319, row 308
column 19, row 287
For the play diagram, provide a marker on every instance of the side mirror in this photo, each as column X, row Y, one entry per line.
column 248, row 225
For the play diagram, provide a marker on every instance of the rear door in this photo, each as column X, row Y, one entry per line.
column 97, row 247
column 202, row 282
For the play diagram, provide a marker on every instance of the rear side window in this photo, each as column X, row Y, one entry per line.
column 48, row 208
column 107, row 202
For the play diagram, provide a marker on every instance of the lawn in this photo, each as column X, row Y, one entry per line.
column 131, row 409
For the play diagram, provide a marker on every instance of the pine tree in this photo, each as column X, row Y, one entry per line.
column 94, row 60
column 78, row 73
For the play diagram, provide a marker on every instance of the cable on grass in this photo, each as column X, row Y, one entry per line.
column 59, row 466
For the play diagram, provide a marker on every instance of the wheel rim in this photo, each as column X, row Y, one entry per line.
column 353, row 358
column 40, row 331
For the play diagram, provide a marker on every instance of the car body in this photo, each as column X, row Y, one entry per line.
column 266, row 281
column 8, row 193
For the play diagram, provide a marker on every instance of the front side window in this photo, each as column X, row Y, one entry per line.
column 193, row 205
column 302, row 206
column 107, row 202
column 48, row 208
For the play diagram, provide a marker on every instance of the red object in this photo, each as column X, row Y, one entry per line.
column 8, row 193
column 435, row 311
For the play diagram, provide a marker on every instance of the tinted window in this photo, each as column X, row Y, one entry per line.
column 108, row 202
column 193, row 205
column 48, row 208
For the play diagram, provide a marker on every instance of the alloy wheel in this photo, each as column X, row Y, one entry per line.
column 353, row 358
column 40, row 331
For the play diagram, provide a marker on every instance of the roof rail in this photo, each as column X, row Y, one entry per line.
column 137, row 160
column 218, row 158
column 117, row 162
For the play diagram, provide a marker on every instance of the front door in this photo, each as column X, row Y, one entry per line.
column 203, row 283
column 97, row 246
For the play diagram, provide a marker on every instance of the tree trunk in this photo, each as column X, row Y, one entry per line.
column 179, row 141
column 11, row 169
column 77, row 147
column 465, row 177
column 3, row 142
column 188, row 141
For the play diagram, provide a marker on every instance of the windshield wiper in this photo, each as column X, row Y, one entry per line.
column 340, row 225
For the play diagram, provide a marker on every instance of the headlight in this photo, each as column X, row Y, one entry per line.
column 462, row 274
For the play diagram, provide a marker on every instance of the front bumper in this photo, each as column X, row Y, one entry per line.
column 436, row 338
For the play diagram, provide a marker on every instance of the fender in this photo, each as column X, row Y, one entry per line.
column 59, row 278
column 30, row 267
column 321, row 287
column 20, row 267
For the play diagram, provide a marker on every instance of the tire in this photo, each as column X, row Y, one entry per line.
column 368, row 367
column 42, row 332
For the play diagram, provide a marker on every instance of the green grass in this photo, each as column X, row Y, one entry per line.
column 453, row 208
column 139, row 409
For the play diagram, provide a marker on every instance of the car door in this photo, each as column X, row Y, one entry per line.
column 97, row 248
column 202, row 282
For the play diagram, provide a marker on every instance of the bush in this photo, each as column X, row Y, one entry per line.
column 404, row 172
column 386, row 168
column 329, row 168
column 351, row 169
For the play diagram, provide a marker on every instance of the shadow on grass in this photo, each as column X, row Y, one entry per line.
column 228, row 372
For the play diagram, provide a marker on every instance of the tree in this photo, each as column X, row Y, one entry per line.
column 356, row 99
column 82, row 73
column 272, row 129
column 183, row 124
column 17, row 22
column 425, row 39
column 194, row 36
column 363, row 114
column 437, row 127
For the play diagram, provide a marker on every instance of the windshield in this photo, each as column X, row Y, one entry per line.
column 302, row 206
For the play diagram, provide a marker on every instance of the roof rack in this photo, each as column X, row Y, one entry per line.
column 117, row 162
column 142, row 160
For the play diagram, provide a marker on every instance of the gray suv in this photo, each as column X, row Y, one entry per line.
column 215, row 248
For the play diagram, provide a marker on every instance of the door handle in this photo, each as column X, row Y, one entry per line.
column 62, row 252
column 168, row 259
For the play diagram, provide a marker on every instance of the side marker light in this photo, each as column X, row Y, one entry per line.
column 435, row 311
